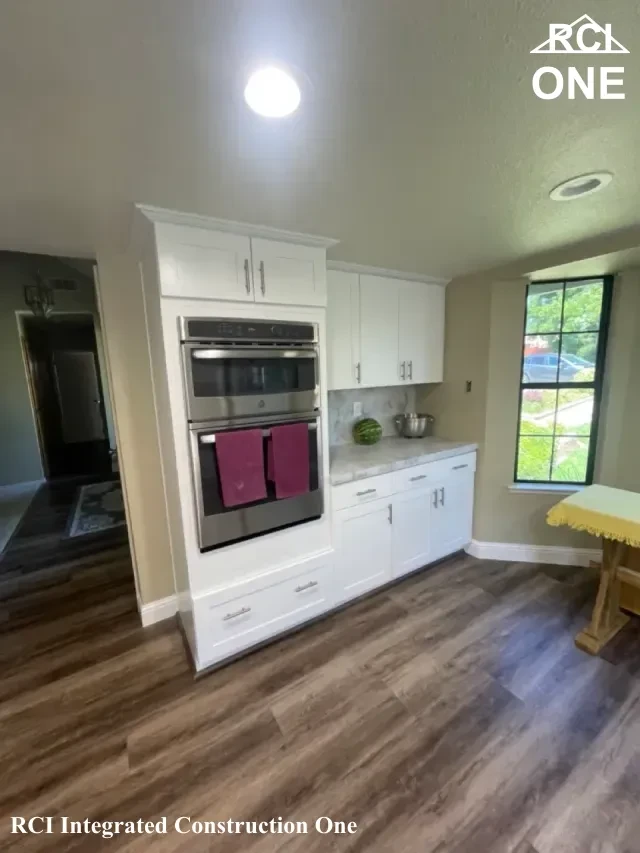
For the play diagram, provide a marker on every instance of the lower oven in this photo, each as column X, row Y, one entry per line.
column 220, row 525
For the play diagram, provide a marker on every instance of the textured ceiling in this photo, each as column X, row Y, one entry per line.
column 419, row 143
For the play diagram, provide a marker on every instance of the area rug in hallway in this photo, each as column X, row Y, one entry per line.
column 98, row 507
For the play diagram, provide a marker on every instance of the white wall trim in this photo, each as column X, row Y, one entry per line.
column 516, row 553
column 194, row 220
column 360, row 269
column 158, row 611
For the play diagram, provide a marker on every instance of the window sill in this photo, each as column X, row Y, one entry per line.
column 543, row 489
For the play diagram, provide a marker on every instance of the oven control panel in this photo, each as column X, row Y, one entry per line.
column 264, row 331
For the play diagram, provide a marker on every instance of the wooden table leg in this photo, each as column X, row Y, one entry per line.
column 607, row 618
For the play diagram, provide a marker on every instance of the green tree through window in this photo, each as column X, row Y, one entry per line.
column 561, row 383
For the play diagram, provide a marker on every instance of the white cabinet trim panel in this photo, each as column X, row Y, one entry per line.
column 194, row 220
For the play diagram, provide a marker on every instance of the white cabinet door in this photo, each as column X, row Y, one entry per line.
column 379, row 331
column 343, row 329
column 421, row 331
column 289, row 273
column 452, row 514
column 363, row 548
column 411, row 531
column 196, row 263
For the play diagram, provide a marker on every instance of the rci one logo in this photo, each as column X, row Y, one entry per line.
column 582, row 36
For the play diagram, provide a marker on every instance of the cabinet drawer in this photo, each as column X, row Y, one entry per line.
column 362, row 491
column 228, row 622
column 416, row 477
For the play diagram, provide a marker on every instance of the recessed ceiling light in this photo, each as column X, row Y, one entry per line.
column 272, row 92
column 580, row 186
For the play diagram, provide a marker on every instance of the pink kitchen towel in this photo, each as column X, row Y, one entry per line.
column 241, row 466
column 290, row 459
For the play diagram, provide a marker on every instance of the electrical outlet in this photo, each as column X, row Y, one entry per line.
column 357, row 410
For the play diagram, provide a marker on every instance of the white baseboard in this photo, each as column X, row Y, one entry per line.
column 158, row 611
column 515, row 553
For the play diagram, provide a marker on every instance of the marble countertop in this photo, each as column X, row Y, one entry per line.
column 349, row 462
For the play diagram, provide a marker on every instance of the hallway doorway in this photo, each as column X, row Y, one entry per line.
column 61, row 360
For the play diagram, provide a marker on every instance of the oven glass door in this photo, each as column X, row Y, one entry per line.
column 224, row 383
column 220, row 525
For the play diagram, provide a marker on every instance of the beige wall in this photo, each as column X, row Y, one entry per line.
column 484, row 340
column 123, row 317
column 19, row 451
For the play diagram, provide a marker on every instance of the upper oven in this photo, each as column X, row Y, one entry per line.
column 245, row 368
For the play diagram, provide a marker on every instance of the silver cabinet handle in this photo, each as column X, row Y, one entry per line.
column 263, row 286
column 459, row 467
column 247, row 280
column 435, row 498
column 390, row 513
column 442, row 496
column 410, row 370
column 236, row 614
column 403, row 370
column 358, row 373
column 305, row 586
column 366, row 492
column 419, row 477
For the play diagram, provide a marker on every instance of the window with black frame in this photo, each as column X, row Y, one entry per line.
column 565, row 339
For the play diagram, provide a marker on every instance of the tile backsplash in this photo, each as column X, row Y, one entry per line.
column 379, row 403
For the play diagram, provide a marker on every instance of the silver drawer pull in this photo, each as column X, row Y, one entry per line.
column 419, row 477
column 366, row 492
column 236, row 614
column 305, row 586
column 458, row 467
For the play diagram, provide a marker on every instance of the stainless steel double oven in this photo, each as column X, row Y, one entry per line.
column 246, row 375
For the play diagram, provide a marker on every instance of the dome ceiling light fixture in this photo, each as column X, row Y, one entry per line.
column 581, row 186
column 272, row 92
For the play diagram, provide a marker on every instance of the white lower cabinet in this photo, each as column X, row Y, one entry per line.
column 451, row 514
column 411, row 531
column 427, row 515
column 233, row 619
column 363, row 548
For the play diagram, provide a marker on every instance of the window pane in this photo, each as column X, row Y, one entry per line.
column 575, row 411
column 578, row 357
column 544, row 308
column 534, row 458
column 570, row 459
column 582, row 306
column 540, row 363
column 537, row 412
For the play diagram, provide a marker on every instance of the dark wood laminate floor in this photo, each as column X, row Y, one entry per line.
column 40, row 543
column 451, row 713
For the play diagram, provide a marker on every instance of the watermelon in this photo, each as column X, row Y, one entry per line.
column 367, row 431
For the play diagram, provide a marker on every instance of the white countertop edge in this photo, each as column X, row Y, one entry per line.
column 339, row 478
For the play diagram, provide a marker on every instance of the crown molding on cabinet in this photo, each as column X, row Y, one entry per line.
column 194, row 220
column 360, row 269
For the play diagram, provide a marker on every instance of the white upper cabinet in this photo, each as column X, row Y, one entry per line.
column 196, row 263
column 380, row 364
column 421, row 331
column 288, row 273
column 204, row 258
column 383, row 330
column 343, row 329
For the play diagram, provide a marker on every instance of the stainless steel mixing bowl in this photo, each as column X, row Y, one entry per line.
column 414, row 425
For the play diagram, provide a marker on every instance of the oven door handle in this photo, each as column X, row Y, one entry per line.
column 210, row 438
column 262, row 352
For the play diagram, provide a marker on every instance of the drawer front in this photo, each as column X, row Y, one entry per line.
column 225, row 627
column 362, row 491
column 417, row 477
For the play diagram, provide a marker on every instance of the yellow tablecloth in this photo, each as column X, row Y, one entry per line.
column 602, row 511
